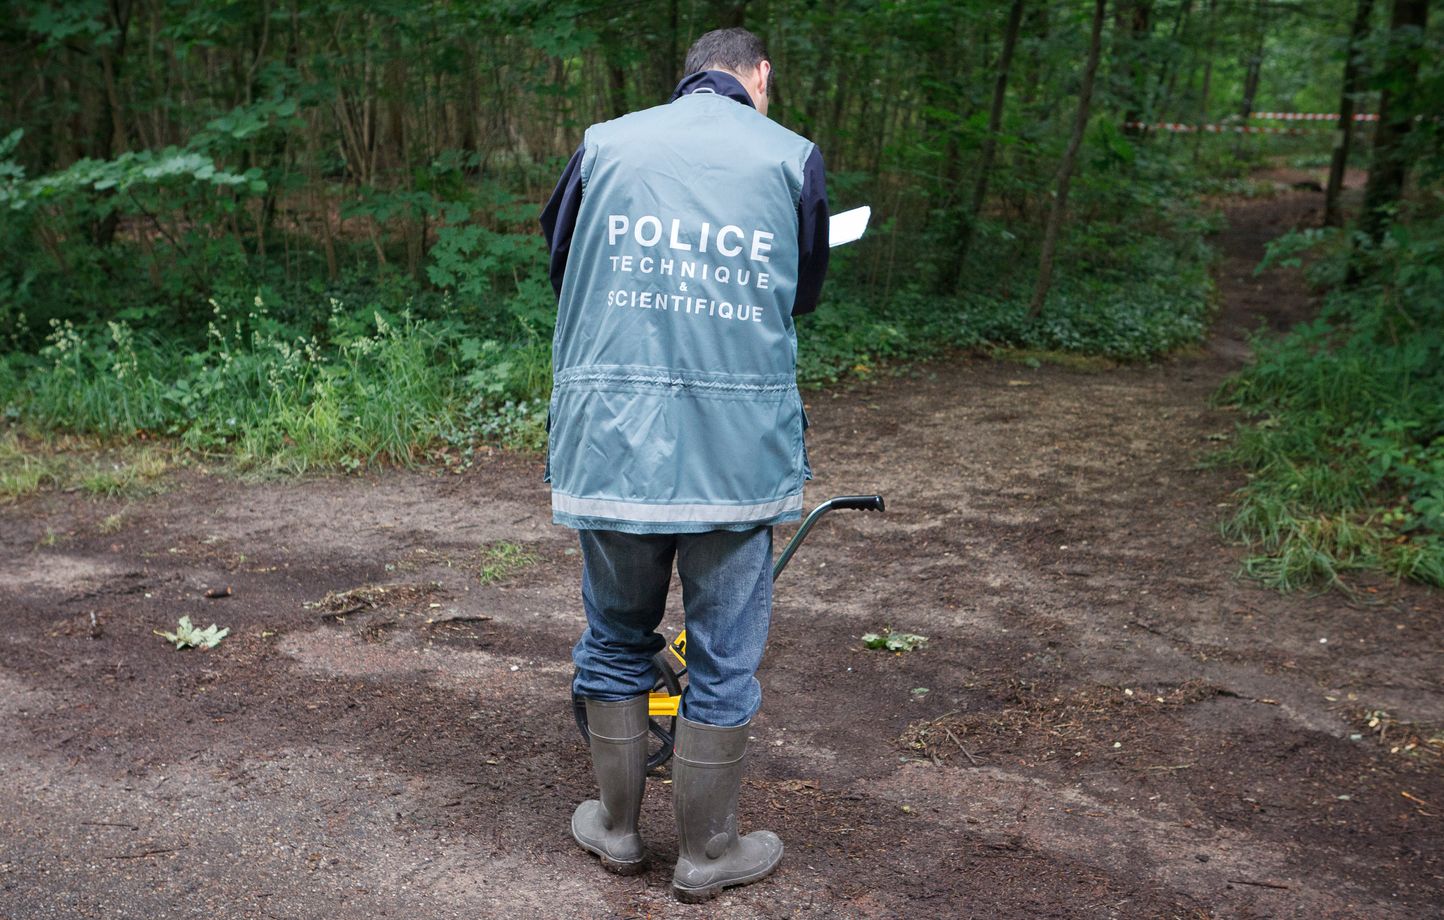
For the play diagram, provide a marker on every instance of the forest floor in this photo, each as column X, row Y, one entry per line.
column 1106, row 720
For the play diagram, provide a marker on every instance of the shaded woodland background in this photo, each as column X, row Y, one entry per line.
column 303, row 235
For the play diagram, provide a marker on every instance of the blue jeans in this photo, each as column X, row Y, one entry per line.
column 726, row 592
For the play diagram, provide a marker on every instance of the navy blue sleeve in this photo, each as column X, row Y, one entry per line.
column 559, row 218
column 812, row 226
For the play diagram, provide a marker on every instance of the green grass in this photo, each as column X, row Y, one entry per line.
column 136, row 475
column 23, row 469
column 502, row 560
column 78, row 463
column 372, row 391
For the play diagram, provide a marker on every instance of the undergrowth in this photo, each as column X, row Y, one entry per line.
column 1345, row 444
column 366, row 371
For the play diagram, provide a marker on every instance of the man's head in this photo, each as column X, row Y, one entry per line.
column 739, row 53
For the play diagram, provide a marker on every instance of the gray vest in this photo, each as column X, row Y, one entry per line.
column 675, row 407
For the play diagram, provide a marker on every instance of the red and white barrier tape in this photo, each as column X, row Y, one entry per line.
column 1215, row 129
column 1309, row 116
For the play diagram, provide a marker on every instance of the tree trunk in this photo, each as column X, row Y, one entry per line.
column 1065, row 169
column 616, row 89
column 1397, row 107
column 1207, row 87
column 1161, row 97
column 1036, row 61
column 111, row 130
column 1134, row 22
column 1344, row 139
column 1254, row 64
column 990, row 143
column 1253, row 68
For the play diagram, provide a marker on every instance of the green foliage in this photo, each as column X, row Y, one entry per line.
column 188, row 636
column 367, row 388
column 847, row 338
column 1127, row 288
column 894, row 641
column 1346, row 450
column 515, row 424
column 309, row 240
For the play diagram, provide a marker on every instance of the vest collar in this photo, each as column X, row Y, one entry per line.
column 712, row 81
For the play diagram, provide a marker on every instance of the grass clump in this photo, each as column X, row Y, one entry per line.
column 82, row 464
column 502, row 560
column 135, row 475
column 23, row 470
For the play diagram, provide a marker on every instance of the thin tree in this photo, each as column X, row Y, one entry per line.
column 1161, row 97
column 1253, row 64
column 1396, row 116
column 1065, row 169
column 1212, row 29
column 990, row 143
column 1253, row 70
column 1134, row 25
column 1353, row 76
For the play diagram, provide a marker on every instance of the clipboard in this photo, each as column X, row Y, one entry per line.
column 848, row 226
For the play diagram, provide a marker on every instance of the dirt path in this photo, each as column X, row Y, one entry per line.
column 1112, row 725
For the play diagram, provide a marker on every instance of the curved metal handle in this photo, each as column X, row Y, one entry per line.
column 858, row 502
column 853, row 502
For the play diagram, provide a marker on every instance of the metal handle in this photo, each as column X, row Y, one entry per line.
column 853, row 502
column 858, row 502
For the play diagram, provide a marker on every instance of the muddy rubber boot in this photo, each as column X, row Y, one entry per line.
column 608, row 826
column 706, row 777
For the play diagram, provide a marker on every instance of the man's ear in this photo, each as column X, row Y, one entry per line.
column 761, row 77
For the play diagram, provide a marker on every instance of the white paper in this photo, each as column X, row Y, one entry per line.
column 848, row 226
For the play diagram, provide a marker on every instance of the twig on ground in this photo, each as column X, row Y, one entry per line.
column 1146, row 628
column 1244, row 881
column 967, row 753
column 1418, row 801
column 1233, row 694
column 143, row 854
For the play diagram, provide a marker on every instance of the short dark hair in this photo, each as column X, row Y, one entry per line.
column 737, row 50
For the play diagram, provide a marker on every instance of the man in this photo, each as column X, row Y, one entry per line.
column 684, row 239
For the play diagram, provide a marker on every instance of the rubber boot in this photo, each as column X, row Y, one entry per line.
column 608, row 826
column 706, row 777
